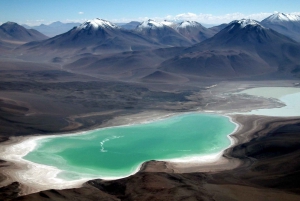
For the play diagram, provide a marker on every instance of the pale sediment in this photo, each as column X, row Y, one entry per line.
column 38, row 177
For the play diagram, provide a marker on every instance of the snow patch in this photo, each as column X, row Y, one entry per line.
column 97, row 23
column 280, row 17
column 185, row 24
column 246, row 22
column 150, row 24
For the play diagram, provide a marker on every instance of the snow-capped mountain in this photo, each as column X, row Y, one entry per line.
column 96, row 24
column 287, row 24
column 243, row 23
column 243, row 48
column 94, row 36
column 149, row 24
column 185, row 24
column 194, row 31
column 89, row 32
column 162, row 33
column 244, row 33
column 282, row 17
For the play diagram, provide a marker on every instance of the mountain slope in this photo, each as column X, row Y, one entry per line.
column 163, row 77
column 216, row 29
column 131, row 25
column 286, row 24
column 243, row 48
column 194, row 31
column 126, row 65
column 162, row 33
column 11, row 31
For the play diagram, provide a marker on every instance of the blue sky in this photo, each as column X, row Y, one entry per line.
column 34, row 12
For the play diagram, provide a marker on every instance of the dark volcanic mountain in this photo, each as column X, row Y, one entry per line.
column 93, row 36
column 243, row 48
column 11, row 31
column 161, row 33
column 194, row 31
column 286, row 24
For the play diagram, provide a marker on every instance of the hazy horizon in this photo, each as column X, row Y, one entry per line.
column 34, row 13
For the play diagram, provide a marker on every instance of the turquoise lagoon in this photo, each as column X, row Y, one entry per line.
column 116, row 152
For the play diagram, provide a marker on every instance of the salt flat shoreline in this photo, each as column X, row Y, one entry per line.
column 18, row 167
column 42, row 177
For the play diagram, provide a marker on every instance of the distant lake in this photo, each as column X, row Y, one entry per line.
column 119, row 151
column 290, row 96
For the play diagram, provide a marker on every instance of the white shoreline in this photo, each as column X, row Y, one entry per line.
column 26, row 170
column 40, row 177
column 32, row 175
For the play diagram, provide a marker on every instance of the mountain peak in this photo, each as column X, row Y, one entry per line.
column 9, row 24
column 15, row 32
column 187, row 23
column 246, row 22
column 97, row 23
column 282, row 17
column 150, row 24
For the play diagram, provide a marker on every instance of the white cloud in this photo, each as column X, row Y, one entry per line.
column 80, row 13
column 202, row 17
column 217, row 19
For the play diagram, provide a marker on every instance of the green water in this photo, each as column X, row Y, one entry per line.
column 118, row 151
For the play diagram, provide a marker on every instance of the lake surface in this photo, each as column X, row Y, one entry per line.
column 119, row 151
column 290, row 96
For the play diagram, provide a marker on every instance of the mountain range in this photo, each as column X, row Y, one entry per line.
column 243, row 48
column 286, row 24
column 168, row 50
column 100, row 36
column 93, row 36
